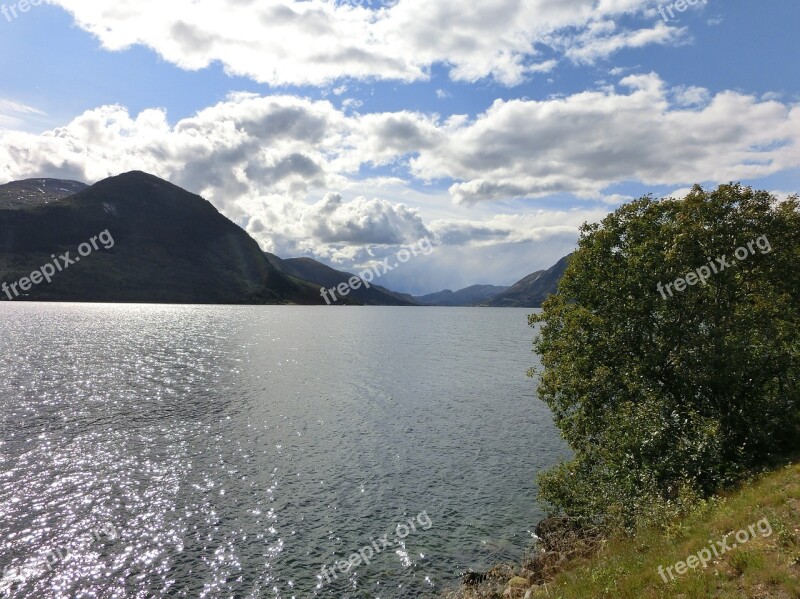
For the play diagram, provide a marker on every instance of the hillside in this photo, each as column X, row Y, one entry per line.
column 166, row 245
column 321, row 275
column 469, row 296
column 531, row 291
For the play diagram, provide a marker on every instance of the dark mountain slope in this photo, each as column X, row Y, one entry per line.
column 531, row 291
column 168, row 246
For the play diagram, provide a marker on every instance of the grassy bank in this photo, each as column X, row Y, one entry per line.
column 767, row 564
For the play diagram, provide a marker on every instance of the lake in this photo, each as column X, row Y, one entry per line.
column 219, row 451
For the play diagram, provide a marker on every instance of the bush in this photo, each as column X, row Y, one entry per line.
column 666, row 396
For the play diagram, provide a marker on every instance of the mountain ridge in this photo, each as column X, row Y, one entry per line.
column 469, row 296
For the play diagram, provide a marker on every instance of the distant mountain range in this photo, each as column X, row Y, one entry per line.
column 326, row 277
column 36, row 192
column 171, row 246
column 464, row 297
column 531, row 291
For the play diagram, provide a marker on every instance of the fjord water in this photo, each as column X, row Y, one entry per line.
column 235, row 451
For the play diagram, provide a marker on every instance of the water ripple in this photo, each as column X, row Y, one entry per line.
column 184, row 451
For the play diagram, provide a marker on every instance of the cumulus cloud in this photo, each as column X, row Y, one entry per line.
column 691, row 95
column 318, row 41
column 252, row 146
column 244, row 146
column 583, row 143
column 332, row 223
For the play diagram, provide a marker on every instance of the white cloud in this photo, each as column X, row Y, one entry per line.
column 244, row 146
column 319, row 41
column 14, row 114
column 254, row 146
column 352, row 104
column 543, row 67
column 691, row 96
column 584, row 143
column 600, row 40
column 331, row 224
column 678, row 194
column 782, row 196
column 514, row 228
column 618, row 71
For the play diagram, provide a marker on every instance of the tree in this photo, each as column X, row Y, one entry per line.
column 670, row 391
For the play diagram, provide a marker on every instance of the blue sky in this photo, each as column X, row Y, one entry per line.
column 343, row 131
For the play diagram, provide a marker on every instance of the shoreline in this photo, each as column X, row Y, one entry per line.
column 559, row 541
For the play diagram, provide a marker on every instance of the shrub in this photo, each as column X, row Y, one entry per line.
column 668, row 397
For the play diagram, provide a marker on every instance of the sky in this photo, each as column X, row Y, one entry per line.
column 346, row 130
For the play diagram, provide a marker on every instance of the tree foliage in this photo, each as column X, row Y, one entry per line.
column 667, row 398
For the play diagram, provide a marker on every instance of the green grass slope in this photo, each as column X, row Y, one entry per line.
column 766, row 565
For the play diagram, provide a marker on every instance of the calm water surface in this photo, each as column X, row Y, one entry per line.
column 169, row 451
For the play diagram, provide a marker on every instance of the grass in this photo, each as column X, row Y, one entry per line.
column 766, row 565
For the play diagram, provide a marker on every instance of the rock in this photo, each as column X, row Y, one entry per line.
column 529, row 593
column 473, row 578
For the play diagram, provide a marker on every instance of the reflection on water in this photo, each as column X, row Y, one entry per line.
column 235, row 451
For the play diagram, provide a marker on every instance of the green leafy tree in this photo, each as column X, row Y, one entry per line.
column 666, row 396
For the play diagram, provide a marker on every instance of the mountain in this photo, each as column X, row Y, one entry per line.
column 134, row 238
column 324, row 276
column 531, row 291
column 465, row 297
column 36, row 192
column 138, row 238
